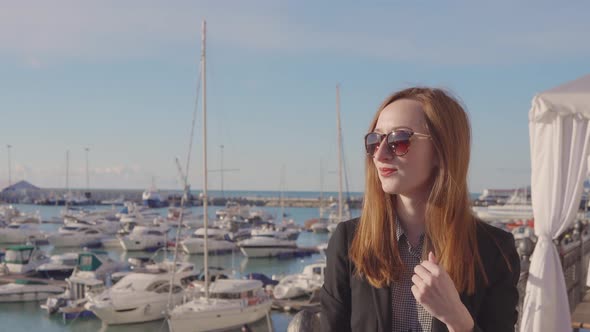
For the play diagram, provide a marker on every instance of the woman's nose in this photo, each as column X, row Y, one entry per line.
column 383, row 151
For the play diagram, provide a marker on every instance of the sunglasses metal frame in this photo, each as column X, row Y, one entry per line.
column 392, row 146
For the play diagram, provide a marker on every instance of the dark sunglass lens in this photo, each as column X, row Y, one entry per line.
column 372, row 141
column 399, row 142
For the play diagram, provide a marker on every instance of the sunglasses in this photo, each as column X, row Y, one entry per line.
column 398, row 141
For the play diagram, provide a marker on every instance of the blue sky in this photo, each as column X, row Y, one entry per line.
column 120, row 78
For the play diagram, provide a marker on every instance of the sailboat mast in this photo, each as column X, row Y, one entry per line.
column 205, row 196
column 321, row 189
column 68, row 195
column 282, row 218
column 340, row 203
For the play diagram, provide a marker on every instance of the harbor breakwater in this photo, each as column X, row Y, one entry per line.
column 52, row 196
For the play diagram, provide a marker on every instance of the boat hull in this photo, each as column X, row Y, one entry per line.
column 57, row 274
column 23, row 294
column 217, row 320
column 74, row 241
column 135, row 313
column 144, row 244
column 214, row 247
column 264, row 251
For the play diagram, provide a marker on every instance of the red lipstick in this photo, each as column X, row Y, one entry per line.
column 387, row 171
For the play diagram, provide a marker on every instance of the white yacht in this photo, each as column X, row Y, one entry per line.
column 13, row 215
column 90, row 276
column 59, row 266
column 518, row 206
column 23, row 259
column 232, row 303
column 21, row 233
column 107, row 226
column 145, row 238
column 217, row 242
column 271, row 230
column 238, row 229
column 142, row 297
column 260, row 214
column 301, row 284
column 189, row 219
column 76, row 236
column 263, row 246
column 24, row 290
column 233, row 210
column 112, row 242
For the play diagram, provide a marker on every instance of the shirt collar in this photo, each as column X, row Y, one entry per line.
column 399, row 231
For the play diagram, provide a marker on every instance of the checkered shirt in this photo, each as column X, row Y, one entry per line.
column 408, row 315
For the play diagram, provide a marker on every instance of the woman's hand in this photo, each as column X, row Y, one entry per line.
column 436, row 292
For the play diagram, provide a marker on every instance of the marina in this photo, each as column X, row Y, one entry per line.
column 285, row 268
column 233, row 263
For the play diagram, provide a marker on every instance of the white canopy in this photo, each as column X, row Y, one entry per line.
column 560, row 148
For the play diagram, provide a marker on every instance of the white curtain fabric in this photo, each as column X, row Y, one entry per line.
column 560, row 148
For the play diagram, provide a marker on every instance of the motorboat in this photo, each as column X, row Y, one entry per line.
column 11, row 214
column 143, row 296
column 90, row 276
column 233, row 211
column 518, row 206
column 232, row 303
column 262, row 246
column 23, row 259
column 111, row 242
column 272, row 230
column 189, row 219
column 20, row 233
column 145, row 238
column 76, row 236
column 238, row 229
column 297, row 285
column 108, row 226
column 25, row 290
column 59, row 267
column 259, row 215
column 217, row 242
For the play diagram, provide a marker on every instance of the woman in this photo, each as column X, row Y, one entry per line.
column 417, row 259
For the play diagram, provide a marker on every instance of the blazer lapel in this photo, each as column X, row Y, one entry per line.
column 382, row 302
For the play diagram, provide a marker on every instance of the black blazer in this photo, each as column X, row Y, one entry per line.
column 349, row 303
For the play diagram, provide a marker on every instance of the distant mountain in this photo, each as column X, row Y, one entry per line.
column 20, row 186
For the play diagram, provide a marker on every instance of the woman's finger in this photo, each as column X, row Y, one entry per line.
column 418, row 281
column 424, row 274
column 431, row 268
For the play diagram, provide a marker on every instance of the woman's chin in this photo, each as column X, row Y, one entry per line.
column 390, row 188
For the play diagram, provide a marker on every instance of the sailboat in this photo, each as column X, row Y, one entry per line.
column 226, row 303
column 339, row 212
